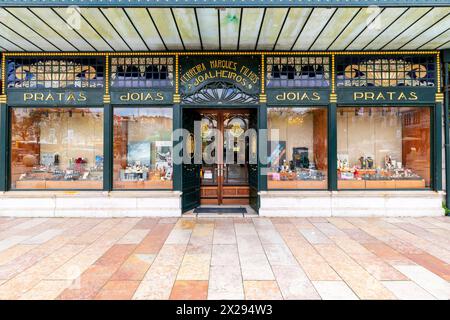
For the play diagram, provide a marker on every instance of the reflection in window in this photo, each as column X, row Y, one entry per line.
column 383, row 148
column 56, row 148
column 298, row 155
column 143, row 148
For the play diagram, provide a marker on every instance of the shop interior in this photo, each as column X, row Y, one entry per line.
column 142, row 148
column 57, row 148
column 297, row 148
column 383, row 148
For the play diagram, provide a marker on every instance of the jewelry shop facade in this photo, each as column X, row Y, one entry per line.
column 332, row 133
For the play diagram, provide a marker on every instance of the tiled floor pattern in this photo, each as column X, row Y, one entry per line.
column 225, row 258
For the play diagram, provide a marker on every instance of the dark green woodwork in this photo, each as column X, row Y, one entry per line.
column 332, row 147
column 4, row 142
column 130, row 96
column 446, row 129
column 190, row 174
column 446, row 57
column 186, row 177
column 108, row 134
column 55, row 97
column 437, row 147
column 177, row 167
column 262, row 147
column 253, row 172
column 294, row 96
column 386, row 96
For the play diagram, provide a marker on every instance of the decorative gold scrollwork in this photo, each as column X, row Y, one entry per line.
column 53, row 71
column 386, row 72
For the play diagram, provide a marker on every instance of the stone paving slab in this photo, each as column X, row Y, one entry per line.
column 225, row 258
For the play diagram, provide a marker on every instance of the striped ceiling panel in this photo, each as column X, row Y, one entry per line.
column 229, row 28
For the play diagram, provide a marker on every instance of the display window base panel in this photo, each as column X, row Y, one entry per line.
column 86, row 204
column 351, row 204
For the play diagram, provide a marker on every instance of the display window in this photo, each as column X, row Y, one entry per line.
column 56, row 148
column 384, row 148
column 297, row 148
column 143, row 148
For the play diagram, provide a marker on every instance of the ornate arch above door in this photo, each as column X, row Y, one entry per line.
column 220, row 92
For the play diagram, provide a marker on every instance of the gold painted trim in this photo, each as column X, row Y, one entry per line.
column 3, row 98
column 212, row 53
column 333, row 97
column 176, row 98
column 3, row 72
column 177, row 63
column 333, row 74
column 176, row 54
column 439, row 97
column 263, row 98
column 263, row 73
column 107, row 80
column 106, row 98
column 438, row 72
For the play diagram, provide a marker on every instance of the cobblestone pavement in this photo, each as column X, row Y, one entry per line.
column 225, row 258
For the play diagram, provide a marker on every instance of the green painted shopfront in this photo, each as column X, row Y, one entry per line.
column 283, row 108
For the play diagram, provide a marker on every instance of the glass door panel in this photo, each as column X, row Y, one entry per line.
column 209, row 171
column 235, row 149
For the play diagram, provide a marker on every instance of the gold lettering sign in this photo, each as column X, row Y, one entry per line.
column 298, row 96
column 219, row 69
column 385, row 96
column 142, row 96
column 55, row 96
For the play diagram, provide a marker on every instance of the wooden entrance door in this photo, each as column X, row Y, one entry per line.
column 226, row 154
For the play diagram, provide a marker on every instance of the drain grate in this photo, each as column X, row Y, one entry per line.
column 213, row 210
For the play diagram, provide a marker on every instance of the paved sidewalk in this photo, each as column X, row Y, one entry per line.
column 225, row 258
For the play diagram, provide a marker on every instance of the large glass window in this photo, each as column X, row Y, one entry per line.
column 56, row 148
column 297, row 148
column 143, row 148
column 383, row 148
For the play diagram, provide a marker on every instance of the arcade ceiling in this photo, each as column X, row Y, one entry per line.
column 89, row 28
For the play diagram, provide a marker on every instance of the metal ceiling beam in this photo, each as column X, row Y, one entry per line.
column 157, row 30
column 224, row 3
column 198, row 29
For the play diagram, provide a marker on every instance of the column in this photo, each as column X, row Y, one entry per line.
column 437, row 163
column 262, row 165
column 177, row 124
column 332, row 143
column 107, row 143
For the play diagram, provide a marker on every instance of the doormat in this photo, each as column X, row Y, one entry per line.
column 213, row 210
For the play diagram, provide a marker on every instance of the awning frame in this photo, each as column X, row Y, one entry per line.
column 223, row 3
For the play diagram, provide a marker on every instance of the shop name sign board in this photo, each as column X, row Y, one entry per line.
column 297, row 96
column 142, row 96
column 242, row 71
column 387, row 95
column 56, row 97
